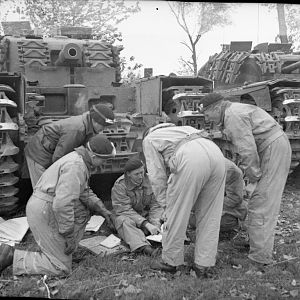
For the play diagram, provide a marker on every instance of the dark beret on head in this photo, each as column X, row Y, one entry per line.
column 102, row 114
column 133, row 163
column 100, row 144
column 211, row 99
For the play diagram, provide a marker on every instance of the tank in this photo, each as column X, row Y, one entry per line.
column 267, row 76
column 44, row 79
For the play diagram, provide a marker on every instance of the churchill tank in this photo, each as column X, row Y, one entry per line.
column 267, row 75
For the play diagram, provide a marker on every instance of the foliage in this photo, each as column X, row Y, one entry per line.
column 293, row 23
column 196, row 19
column 292, row 20
column 185, row 69
column 102, row 15
column 131, row 70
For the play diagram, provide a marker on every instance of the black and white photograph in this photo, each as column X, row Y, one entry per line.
column 149, row 150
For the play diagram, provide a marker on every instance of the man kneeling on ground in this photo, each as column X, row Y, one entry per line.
column 59, row 209
column 137, row 211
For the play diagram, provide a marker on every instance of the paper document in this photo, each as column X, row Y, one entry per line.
column 94, row 245
column 13, row 230
column 154, row 237
column 94, row 223
column 111, row 241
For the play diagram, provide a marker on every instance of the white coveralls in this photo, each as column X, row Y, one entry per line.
column 61, row 202
column 133, row 204
column 234, row 207
column 265, row 158
column 197, row 179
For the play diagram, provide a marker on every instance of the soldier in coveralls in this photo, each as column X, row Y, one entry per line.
column 234, row 206
column 137, row 212
column 54, row 140
column 186, row 171
column 265, row 159
column 58, row 211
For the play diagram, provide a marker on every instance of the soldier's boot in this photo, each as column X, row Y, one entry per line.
column 205, row 272
column 148, row 250
column 162, row 266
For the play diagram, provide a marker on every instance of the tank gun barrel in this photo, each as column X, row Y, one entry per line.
column 70, row 54
column 291, row 67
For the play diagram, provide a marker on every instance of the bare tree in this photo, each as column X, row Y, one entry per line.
column 282, row 23
column 196, row 19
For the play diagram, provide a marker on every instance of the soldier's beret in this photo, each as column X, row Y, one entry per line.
column 211, row 99
column 102, row 114
column 101, row 146
column 132, row 164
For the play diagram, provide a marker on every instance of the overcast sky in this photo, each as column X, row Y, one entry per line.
column 153, row 36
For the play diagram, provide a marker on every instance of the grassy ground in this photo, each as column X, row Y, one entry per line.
column 127, row 276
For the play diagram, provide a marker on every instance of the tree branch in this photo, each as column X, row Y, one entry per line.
column 185, row 44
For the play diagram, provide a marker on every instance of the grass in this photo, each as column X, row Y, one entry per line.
column 128, row 276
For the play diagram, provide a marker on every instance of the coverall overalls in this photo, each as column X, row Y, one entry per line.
column 62, row 203
column 234, row 206
column 54, row 140
column 196, row 169
column 265, row 158
column 234, row 203
column 133, row 204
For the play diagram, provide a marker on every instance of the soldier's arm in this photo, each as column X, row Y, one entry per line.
column 239, row 130
column 66, row 144
column 156, row 171
column 67, row 191
column 156, row 210
column 94, row 203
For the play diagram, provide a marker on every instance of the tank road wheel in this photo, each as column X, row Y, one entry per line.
column 8, row 167
column 285, row 110
column 280, row 111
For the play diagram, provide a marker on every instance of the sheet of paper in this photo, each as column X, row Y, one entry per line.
column 94, row 245
column 111, row 241
column 13, row 229
column 94, row 223
column 155, row 237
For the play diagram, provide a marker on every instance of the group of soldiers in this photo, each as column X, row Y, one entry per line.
column 183, row 180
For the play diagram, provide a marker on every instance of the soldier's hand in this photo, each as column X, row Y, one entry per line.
column 152, row 229
column 109, row 218
column 250, row 187
column 70, row 244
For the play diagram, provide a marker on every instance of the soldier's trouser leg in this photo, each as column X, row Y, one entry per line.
column 228, row 223
column 264, row 205
column 233, row 201
column 35, row 170
column 52, row 260
column 199, row 167
column 132, row 235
